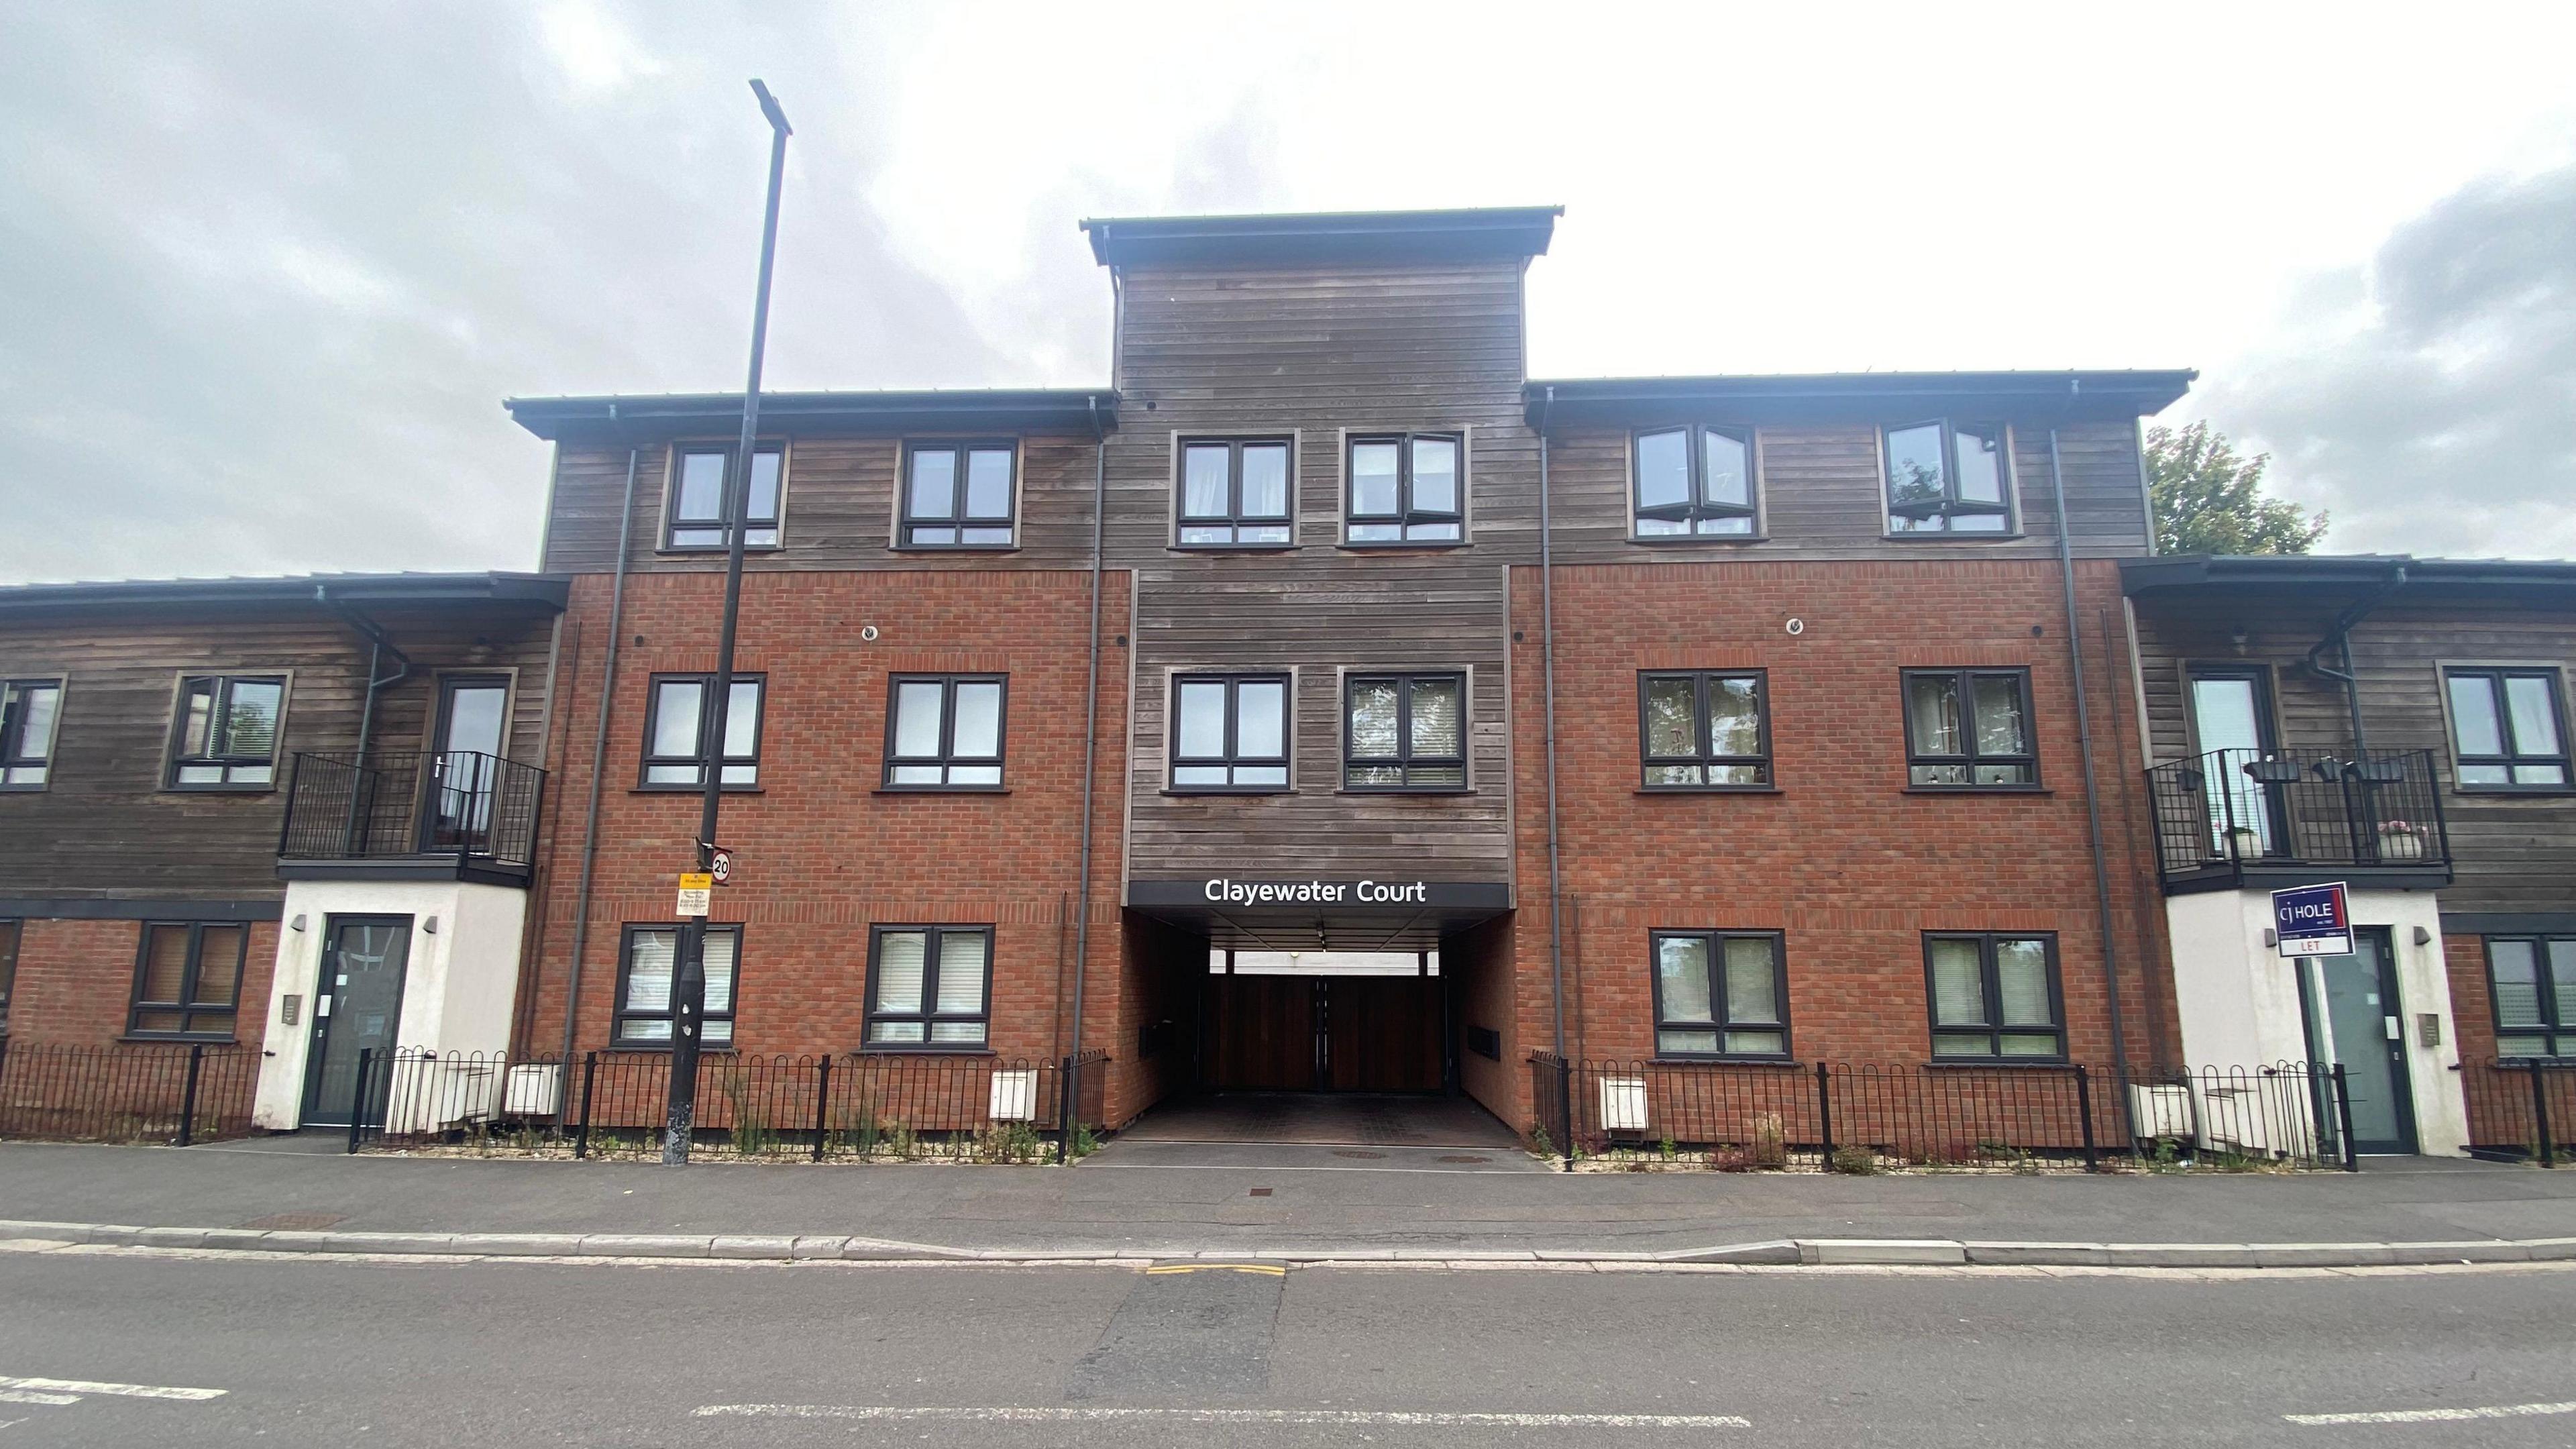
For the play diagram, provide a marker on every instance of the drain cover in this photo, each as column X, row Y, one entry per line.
column 1355, row 1152
column 1462, row 1157
column 1261, row 1192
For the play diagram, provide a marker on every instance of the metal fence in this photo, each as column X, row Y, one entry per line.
column 473, row 806
column 1862, row 1116
column 892, row 1106
column 130, row 1092
column 2521, row 1108
column 2219, row 813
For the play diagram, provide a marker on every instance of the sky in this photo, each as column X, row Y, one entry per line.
column 267, row 270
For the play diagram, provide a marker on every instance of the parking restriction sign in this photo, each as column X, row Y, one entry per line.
column 697, row 893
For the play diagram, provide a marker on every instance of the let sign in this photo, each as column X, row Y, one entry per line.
column 2313, row 920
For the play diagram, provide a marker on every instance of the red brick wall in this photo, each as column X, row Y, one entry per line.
column 1845, row 861
column 75, row 983
column 820, row 854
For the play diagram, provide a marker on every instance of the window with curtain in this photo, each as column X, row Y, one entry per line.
column 1235, row 494
column 1994, row 996
column 1230, row 732
column 944, row 732
column 1946, row 477
column 1969, row 729
column 958, row 495
column 29, row 711
column 679, row 717
column 928, row 986
column 1405, row 488
column 1692, row 482
column 227, row 732
column 645, row 1004
column 187, row 980
column 1404, row 731
column 1704, row 729
column 2532, row 981
column 1721, row 994
column 698, row 496
column 2505, row 729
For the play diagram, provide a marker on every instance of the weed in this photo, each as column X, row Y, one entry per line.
column 1085, row 1142
column 1539, row 1143
column 1855, row 1161
column 1667, row 1148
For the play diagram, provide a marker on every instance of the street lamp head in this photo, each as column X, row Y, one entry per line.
column 769, row 107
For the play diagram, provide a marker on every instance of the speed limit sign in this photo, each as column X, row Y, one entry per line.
column 721, row 867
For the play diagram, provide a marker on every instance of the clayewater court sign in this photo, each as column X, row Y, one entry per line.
column 2312, row 920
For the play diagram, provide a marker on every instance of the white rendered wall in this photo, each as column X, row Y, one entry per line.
column 459, row 982
column 2239, row 998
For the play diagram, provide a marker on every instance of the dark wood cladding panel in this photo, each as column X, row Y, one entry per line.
column 2513, row 852
column 1823, row 499
column 104, row 828
column 838, row 512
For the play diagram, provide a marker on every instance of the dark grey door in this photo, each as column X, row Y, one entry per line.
column 357, row 1002
column 2355, row 1020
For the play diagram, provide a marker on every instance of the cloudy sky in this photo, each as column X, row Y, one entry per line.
column 267, row 269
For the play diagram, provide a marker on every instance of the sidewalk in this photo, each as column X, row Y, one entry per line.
column 1319, row 1202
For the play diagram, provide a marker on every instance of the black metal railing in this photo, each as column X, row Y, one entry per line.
column 2227, row 811
column 474, row 807
column 2522, row 1109
column 909, row 1106
column 1865, row 1116
column 130, row 1092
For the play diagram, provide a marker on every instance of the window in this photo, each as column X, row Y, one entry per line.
column 2532, row 981
column 1949, row 478
column 1235, row 494
column 1969, row 728
column 1994, row 996
column 8, row 967
column 29, row 710
column 1406, row 489
column 1705, row 731
column 1695, row 481
column 187, row 980
column 1720, row 994
column 944, row 732
column 651, row 972
column 698, row 496
column 677, row 720
column 227, row 733
column 957, row 495
column 927, row 986
column 1404, row 732
column 2504, row 729
column 1230, row 732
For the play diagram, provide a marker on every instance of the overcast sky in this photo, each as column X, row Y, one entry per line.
column 267, row 269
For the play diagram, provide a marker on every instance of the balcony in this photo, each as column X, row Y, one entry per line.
column 454, row 815
column 2266, row 819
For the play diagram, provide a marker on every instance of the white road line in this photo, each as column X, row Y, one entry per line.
column 30, row 1396
column 1005, row 1414
column 129, row 1391
column 2434, row 1416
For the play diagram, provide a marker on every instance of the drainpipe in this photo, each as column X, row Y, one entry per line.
column 2340, row 637
column 2092, row 792
column 1090, row 731
column 598, row 759
column 1547, row 655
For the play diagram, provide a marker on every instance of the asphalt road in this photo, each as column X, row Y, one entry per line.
column 338, row 1353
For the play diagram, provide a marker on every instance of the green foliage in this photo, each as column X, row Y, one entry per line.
column 1539, row 1143
column 2209, row 499
column 1085, row 1141
column 1855, row 1161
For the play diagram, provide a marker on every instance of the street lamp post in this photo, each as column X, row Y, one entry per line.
column 689, row 991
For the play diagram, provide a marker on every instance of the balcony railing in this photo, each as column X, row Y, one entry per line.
column 2234, row 816
column 459, row 810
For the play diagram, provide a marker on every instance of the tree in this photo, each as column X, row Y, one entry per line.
column 2210, row 500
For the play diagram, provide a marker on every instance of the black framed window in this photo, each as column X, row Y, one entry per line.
column 679, row 716
column 1721, row 994
column 1704, row 729
column 9, row 931
column 227, row 732
column 959, row 495
column 187, row 980
column 944, row 731
column 2506, row 729
column 1949, row 477
column 1235, row 493
column 1406, row 488
column 1969, row 729
column 30, row 712
column 1404, row 731
column 1230, row 732
column 697, row 496
column 928, row 987
column 650, row 972
column 2532, row 981
column 1693, row 482
column 1994, row 995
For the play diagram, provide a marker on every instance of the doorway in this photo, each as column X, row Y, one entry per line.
column 357, row 1006
column 2355, row 1019
column 473, row 710
column 2231, row 717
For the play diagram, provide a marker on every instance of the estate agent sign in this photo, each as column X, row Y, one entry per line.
column 2313, row 920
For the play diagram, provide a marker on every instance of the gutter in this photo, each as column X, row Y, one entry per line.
column 598, row 760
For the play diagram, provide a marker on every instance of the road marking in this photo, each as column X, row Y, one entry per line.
column 129, row 1391
column 30, row 1396
column 1005, row 1414
column 1275, row 1270
column 2434, row 1416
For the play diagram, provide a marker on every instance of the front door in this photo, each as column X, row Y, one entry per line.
column 2231, row 717
column 471, row 711
column 2355, row 1020
column 357, row 1000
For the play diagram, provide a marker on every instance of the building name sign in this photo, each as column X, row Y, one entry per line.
column 1197, row 896
column 1225, row 891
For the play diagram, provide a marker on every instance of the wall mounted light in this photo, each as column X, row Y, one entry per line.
column 297, row 924
column 2237, row 637
column 429, row 925
column 2423, row 937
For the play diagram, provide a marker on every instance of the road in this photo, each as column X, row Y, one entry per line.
column 335, row 1352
